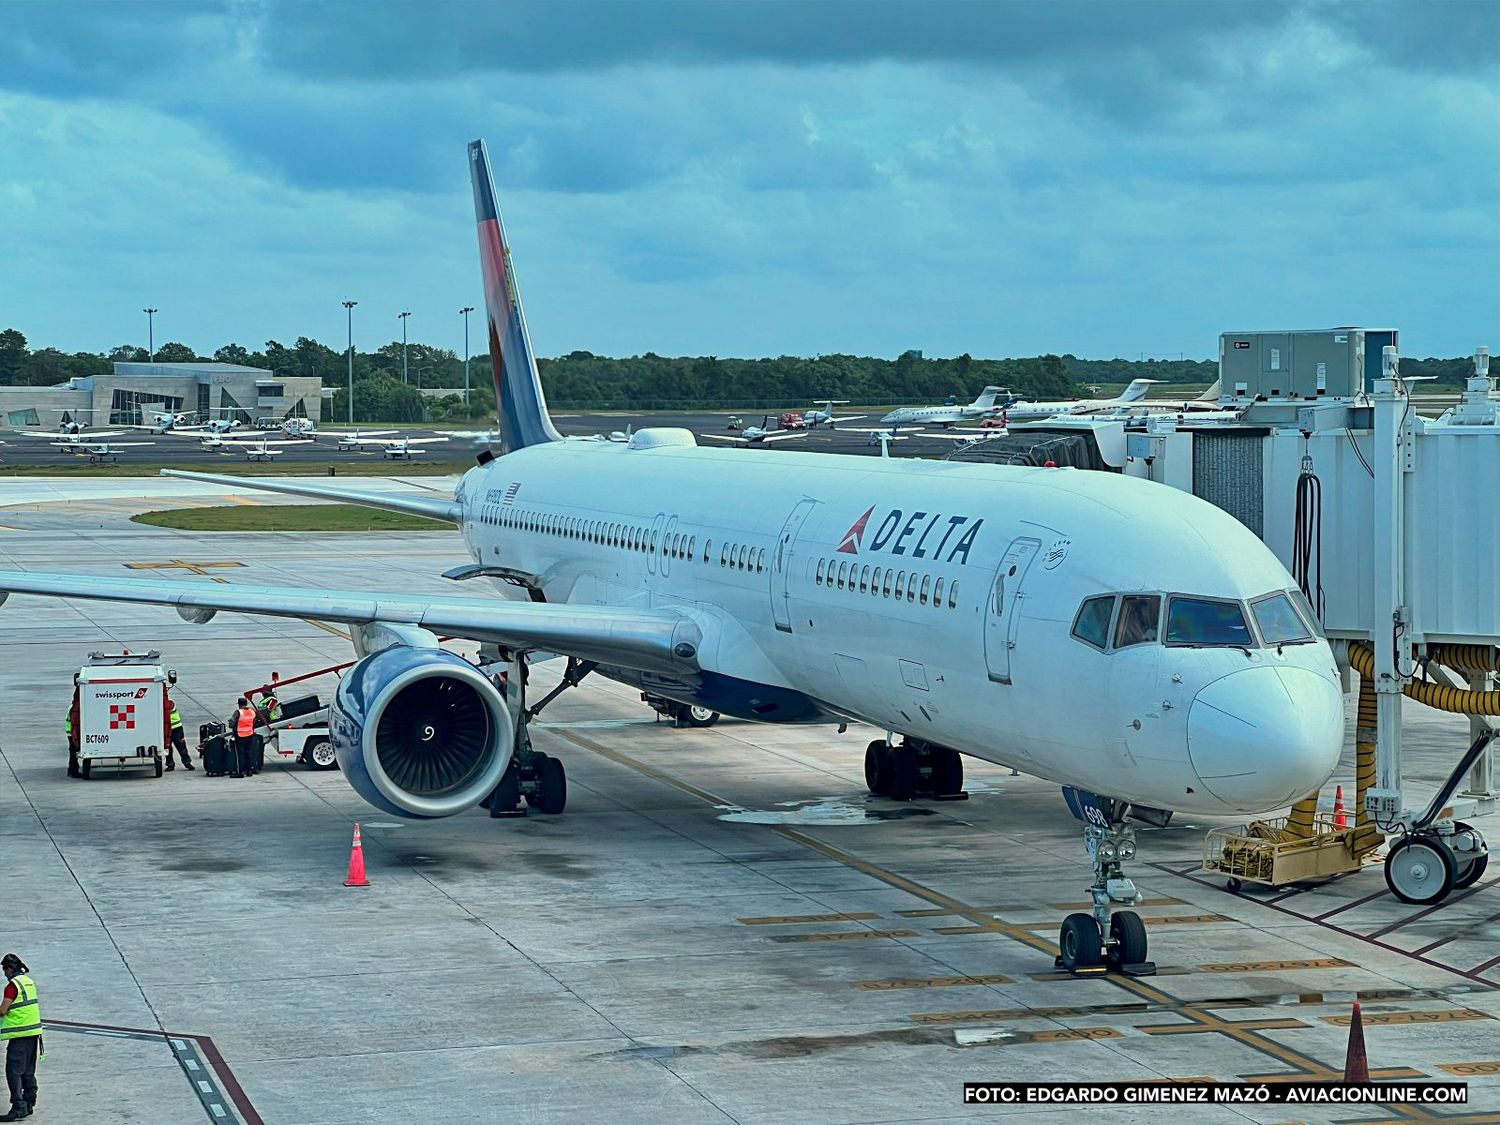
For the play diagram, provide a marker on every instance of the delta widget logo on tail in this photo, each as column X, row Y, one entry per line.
column 934, row 531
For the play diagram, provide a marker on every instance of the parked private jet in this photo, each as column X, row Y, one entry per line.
column 1124, row 639
column 1023, row 410
column 982, row 407
column 825, row 417
column 757, row 435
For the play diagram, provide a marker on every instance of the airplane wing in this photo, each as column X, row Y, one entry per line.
column 784, row 436
column 654, row 640
column 962, row 435
column 421, row 440
column 431, row 507
column 726, row 437
column 848, row 418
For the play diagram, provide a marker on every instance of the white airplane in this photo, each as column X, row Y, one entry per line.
column 1021, row 410
column 757, row 435
column 81, row 442
column 299, row 428
column 97, row 451
column 258, row 450
column 478, row 437
column 399, row 449
column 348, row 440
column 825, row 417
column 982, row 407
column 218, row 440
column 1129, row 641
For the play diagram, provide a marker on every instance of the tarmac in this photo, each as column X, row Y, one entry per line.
column 722, row 927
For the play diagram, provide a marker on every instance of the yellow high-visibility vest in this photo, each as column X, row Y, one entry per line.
column 176, row 718
column 23, row 1017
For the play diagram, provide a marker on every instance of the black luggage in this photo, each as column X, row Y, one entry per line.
column 305, row 705
column 217, row 751
column 208, row 730
column 257, row 753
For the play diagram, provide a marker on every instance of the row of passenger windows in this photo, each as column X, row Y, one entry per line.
column 677, row 544
column 884, row 582
column 1280, row 618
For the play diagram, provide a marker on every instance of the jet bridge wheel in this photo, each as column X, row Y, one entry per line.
column 1420, row 870
column 1471, row 874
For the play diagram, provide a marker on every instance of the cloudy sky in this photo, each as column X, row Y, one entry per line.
column 755, row 178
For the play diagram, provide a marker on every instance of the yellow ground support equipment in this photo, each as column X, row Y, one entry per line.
column 1273, row 853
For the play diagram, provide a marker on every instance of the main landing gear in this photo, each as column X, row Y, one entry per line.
column 1106, row 939
column 537, row 778
column 902, row 771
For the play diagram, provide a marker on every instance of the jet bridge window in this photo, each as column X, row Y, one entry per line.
column 1203, row 621
column 1278, row 622
column 1092, row 623
column 1140, row 619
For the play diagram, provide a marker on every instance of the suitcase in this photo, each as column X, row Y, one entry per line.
column 295, row 708
column 208, row 730
column 257, row 753
column 217, row 752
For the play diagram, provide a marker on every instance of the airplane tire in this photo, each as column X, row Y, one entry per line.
column 1078, row 942
column 947, row 771
column 507, row 794
column 1129, row 934
column 554, row 781
column 905, row 773
column 877, row 768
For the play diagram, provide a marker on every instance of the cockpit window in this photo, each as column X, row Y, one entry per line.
column 1199, row 621
column 1309, row 615
column 1140, row 616
column 1278, row 622
column 1092, row 625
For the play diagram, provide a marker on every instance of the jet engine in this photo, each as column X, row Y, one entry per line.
column 420, row 732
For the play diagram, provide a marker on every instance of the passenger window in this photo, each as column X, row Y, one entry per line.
column 1092, row 623
column 953, row 595
column 875, row 582
column 885, row 589
column 708, row 549
column 1140, row 616
column 843, row 574
column 937, row 592
column 900, row 583
column 864, row 579
column 926, row 583
column 760, row 559
column 1278, row 622
column 692, row 542
column 1202, row 621
column 819, row 579
column 744, row 557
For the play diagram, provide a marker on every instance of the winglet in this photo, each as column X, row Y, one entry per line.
column 518, row 386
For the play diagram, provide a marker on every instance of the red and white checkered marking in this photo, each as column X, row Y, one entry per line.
column 122, row 716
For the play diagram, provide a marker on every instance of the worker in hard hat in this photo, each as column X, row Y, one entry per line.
column 175, row 740
column 243, row 725
column 21, row 1033
column 70, row 727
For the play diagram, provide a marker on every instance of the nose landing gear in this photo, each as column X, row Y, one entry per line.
column 1106, row 939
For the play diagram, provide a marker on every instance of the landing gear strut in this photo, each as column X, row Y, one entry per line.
column 537, row 778
column 1106, row 938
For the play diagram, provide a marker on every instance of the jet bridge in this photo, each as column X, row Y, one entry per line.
column 1391, row 522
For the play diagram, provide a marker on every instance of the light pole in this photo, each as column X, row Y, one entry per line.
column 402, row 317
column 349, row 309
column 151, row 333
column 466, row 310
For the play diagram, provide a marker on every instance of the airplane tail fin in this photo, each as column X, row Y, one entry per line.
column 518, row 386
column 987, row 398
column 1137, row 390
column 1212, row 394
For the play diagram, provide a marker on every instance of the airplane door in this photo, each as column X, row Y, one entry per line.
column 781, row 563
column 1002, row 614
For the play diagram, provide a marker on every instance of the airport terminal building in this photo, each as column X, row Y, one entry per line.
column 136, row 391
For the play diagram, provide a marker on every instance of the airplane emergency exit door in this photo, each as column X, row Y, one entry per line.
column 1003, row 612
column 781, row 562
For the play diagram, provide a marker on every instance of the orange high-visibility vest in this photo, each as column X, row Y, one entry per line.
column 244, row 725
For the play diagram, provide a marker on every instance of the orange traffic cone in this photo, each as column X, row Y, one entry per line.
column 1339, row 819
column 1356, row 1062
column 356, row 877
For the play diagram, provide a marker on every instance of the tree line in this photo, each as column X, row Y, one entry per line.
column 583, row 380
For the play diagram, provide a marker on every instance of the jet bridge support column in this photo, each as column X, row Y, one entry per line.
column 1390, row 616
column 1481, row 782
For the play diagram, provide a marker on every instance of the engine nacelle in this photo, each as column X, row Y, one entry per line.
column 420, row 732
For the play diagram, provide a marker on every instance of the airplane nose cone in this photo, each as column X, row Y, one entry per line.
column 1264, row 737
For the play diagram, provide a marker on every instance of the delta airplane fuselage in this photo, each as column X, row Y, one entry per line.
column 937, row 600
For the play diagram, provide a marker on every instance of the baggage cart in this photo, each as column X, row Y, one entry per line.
column 120, row 711
column 1265, row 852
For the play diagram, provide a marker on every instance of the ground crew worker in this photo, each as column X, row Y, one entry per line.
column 21, row 1031
column 71, row 725
column 176, row 739
column 244, row 731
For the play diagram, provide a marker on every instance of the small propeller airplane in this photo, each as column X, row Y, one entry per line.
column 825, row 417
column 349, row 440
column 398, row 449
column 258, row 449
column 97, row 451
column 757, row 435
